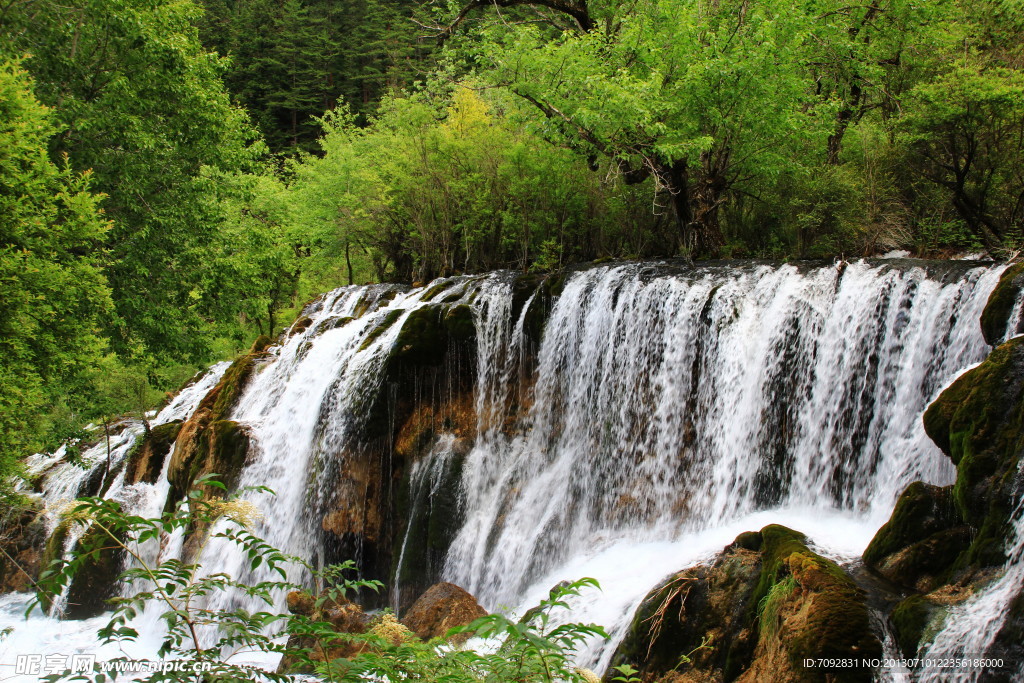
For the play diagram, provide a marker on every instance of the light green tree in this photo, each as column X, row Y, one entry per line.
column 52, row 289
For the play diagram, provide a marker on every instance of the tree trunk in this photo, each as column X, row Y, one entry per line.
column 348, row 261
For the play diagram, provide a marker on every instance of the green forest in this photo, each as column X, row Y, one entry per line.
column 178, row 177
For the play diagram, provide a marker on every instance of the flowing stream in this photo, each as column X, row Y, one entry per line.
column 672, row 408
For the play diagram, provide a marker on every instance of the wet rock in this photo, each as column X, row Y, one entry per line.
column 101, row 560
column 949, row 542
column 442, row 607
column 23, row 539
column 206, row 442
column 300, row 326
column 146, row 459
column 262, row 343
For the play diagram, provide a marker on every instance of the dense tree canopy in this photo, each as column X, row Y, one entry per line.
column 141, row 104
column 178, row 177
column 52, row 290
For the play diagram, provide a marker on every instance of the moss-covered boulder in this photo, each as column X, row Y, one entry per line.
column 948, row 542
column 220, row 448
column 146, row 459
column 207, row 442
column 978, row 423
column 921, row 540
column 996, row 316
column 764, row 605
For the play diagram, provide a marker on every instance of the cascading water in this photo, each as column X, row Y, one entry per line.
column 671, row 406
column 664, row 411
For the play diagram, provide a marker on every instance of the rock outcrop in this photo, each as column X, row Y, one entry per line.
column 996, row 316
column 207, row 442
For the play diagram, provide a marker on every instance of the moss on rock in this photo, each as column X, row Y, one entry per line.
column 146, row 459
column 197, row 450
column 460, row 323
column 921, row 540
column 762, row 612
column 912, row 621
column 262, row 343
column 996, row 316
column 96, row 580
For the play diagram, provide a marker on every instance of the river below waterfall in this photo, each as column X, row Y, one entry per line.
column 663, row 410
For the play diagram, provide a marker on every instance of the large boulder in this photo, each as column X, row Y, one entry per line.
column 762, row 607
column 442, row 607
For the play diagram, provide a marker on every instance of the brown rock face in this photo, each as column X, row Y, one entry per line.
column 443, row 607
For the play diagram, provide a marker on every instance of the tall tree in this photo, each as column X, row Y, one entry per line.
column 700, row 96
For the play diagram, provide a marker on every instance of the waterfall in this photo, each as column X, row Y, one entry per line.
column 663, row 410
column 669, row 405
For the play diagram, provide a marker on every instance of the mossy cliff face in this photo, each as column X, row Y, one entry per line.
column 942, row 544
column 765, row 604
column 996, row 316
column 146, row 459
column 978, row 423
column 207, row 442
